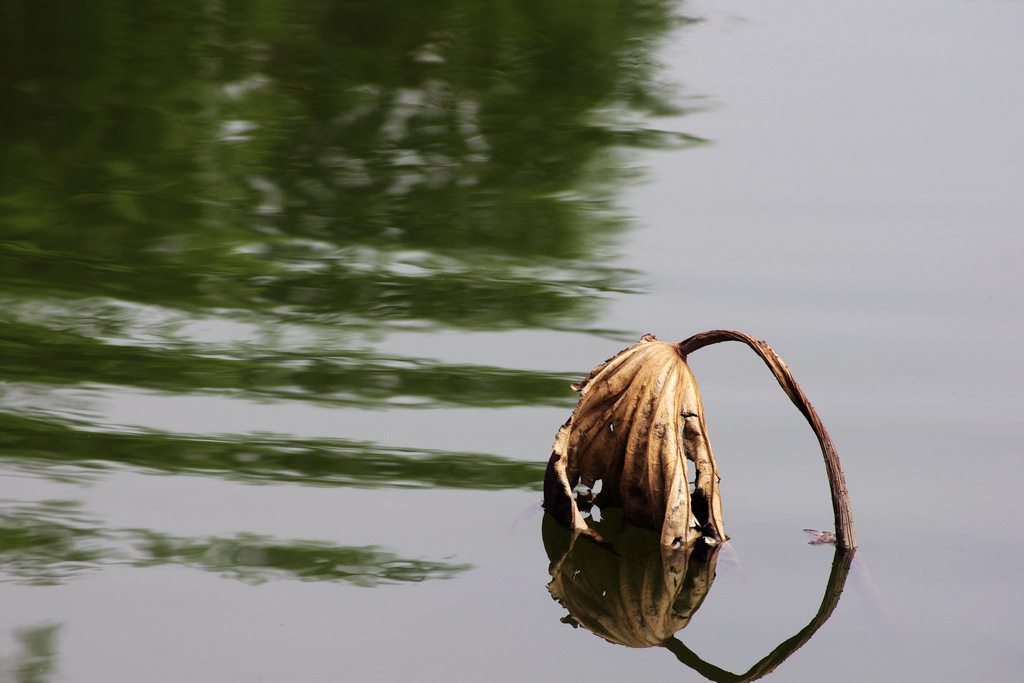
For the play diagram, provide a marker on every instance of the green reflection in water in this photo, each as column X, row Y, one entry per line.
column 40, row 445
column 52, row 542
column 255, row 559
column 377, row 161
column 243, row 196
column 35, row 660
column 39, row 355
column 45, row 543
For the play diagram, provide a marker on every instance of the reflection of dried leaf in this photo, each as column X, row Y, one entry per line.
column 638, row 420
column 628, row 593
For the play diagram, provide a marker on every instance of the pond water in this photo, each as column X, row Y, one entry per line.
column 293, row 293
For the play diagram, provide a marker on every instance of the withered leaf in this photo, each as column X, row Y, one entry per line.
column 638, row 420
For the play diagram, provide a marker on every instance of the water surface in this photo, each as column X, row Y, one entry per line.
column 292, row 294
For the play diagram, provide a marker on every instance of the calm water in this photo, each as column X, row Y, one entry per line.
column 291, row 294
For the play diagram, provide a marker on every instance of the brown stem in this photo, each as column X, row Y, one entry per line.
column 845, row 536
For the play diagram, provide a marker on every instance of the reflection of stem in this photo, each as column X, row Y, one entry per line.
column 836, row 581
column 845, row 537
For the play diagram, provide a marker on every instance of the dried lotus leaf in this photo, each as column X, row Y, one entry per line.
column 638, row 420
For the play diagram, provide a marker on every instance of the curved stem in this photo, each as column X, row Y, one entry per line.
column 845, row 536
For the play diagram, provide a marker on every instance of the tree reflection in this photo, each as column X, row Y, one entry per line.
column 45, row 543
column 30, row 353
column 303, row 176
column 40, row 445
column 52, row 542
column 35, row 661
column 308, row 157
column 254, row 559
column 632, row 591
